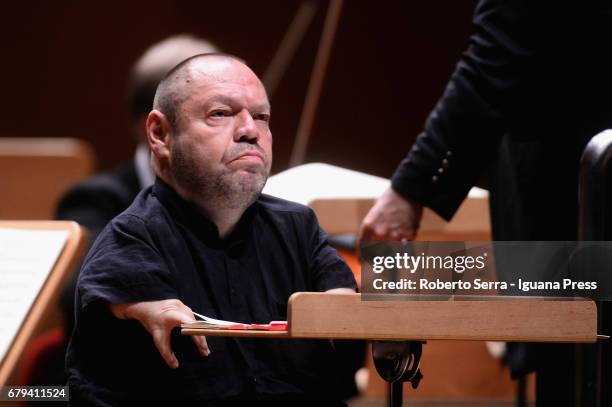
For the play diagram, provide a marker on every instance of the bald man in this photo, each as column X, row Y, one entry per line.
column 203, row 238
column 98, row 199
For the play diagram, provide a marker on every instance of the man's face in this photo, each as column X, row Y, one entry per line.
column 222, row 147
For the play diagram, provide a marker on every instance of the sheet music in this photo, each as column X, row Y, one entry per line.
column 26, row 259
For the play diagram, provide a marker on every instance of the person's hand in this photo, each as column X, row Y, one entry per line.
column 159, row 318
column 392, row 217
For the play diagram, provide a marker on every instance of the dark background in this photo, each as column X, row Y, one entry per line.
column 64, row 69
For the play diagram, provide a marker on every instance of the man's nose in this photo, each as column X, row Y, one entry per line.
column 246, row 130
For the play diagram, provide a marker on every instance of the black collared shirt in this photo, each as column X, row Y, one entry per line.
column 162, row 248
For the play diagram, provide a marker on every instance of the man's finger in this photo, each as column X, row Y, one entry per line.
column 201, row 344
column 382, row 232
column 161, row 338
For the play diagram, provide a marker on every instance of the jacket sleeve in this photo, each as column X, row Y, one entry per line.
column 463, row 132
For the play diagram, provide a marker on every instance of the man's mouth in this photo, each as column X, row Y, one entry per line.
column 250, row 155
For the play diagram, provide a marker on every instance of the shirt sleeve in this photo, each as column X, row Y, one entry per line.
column 463, row 133
column 124, row 266
column 327, row 268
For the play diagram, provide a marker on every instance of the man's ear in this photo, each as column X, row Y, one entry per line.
column 158, row 135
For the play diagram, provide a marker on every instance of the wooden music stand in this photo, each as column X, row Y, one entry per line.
column 50, row 290
column 420, row 318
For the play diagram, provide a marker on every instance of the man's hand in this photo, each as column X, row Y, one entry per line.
column 159, row 318
column 392, row 217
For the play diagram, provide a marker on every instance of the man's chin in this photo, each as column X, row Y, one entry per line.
column 250, row 175
column 250, row 182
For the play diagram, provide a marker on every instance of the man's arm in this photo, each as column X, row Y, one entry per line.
column 159, row 318
column 92, row 204
column 462, row 134
column 125, row 269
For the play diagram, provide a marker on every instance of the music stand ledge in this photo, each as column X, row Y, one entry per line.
column 509, row 319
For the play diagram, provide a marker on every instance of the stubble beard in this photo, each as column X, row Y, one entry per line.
column 227, row 189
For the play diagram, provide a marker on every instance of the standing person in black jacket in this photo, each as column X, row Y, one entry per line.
column 532, row 88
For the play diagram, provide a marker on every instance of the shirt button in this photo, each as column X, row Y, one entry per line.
column 445, row 163
column 449, row 153
column 440, row 170
column 434, row 179
column 233, row 291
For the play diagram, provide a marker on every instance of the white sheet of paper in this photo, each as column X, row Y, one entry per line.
column 218, row 322
column 308, row 182
column 26, row 259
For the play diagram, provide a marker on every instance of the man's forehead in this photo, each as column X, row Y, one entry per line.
column 226, row 82
column 220, row 69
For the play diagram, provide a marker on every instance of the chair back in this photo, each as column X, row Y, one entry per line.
column 34, row 172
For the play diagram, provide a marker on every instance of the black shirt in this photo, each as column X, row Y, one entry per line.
column 161, row 247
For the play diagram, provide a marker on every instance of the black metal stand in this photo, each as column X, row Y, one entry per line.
column 398, row 362
column 591, row 226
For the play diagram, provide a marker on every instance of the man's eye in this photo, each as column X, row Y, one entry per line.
column 220, row 113
column 263, row 117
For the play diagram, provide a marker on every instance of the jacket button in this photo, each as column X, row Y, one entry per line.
column 434, row 179
column 440, row 170
column 449, row 153
column 445, row 163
